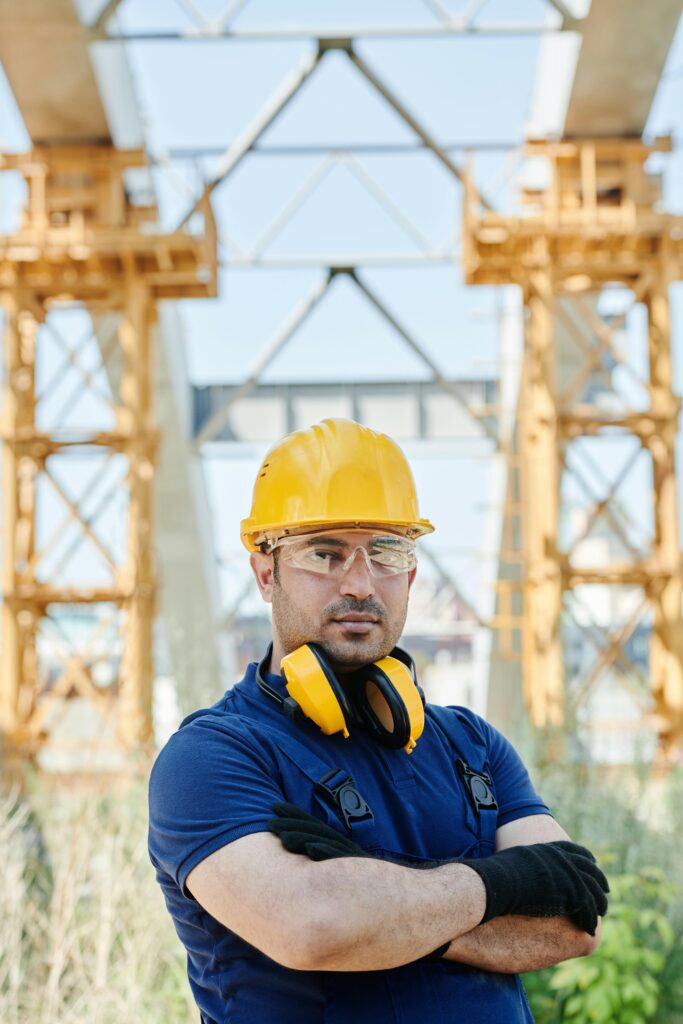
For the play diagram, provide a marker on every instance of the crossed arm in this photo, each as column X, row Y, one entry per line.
column 513, row 944
column 354, row 914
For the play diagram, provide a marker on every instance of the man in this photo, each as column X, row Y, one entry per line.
column 329, row 850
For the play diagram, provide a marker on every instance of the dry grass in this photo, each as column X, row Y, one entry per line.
column 84, row 934
column 85, row 937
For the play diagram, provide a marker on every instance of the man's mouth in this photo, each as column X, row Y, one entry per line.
column 356, row 622
column 355, row 617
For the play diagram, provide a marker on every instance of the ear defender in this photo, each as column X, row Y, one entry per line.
column 313, row 686
column 384, row 697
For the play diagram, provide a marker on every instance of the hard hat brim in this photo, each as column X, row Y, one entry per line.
column 252, row 537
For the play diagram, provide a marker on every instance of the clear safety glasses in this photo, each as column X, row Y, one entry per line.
column 329, row 554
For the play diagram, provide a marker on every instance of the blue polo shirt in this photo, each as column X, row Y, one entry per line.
column 217, row 779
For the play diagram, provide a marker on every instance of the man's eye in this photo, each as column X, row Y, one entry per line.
column 388, row 557
column 322, row 555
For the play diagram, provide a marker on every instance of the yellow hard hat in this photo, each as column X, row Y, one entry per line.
column 335, row 473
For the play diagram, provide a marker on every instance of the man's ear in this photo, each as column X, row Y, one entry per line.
column 262, row 567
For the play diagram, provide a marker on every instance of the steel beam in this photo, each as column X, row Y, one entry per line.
column 451, row 387
column 18, row 612
column 326, row 43
column 139, row 575
column 235, row 153
column 292, row 324
column 392, row 99
column 540, row 497
column 666, row 593
column 508, row 30
column 480, row 397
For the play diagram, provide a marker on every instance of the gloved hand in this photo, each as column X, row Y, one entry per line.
column 558, row 879
column 300, row 832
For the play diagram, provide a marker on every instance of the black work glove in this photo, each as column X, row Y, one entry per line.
column 558, row 879
column 300, row 832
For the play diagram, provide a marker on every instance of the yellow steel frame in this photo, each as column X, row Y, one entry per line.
column 82, row 241
column 597, row 221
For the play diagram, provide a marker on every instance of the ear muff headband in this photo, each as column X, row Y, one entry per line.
column 313, row 685
column 395, row 682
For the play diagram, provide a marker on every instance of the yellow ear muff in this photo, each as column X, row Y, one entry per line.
column 396, row 688
column 312, row 684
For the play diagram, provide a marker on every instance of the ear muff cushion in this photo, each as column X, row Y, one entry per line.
column 310, row 681
column 396, row 682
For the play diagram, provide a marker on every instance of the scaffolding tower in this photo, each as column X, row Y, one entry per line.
column 86, row 250
column 595, row 223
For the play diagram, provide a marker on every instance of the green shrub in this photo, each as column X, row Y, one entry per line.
column 626, row 980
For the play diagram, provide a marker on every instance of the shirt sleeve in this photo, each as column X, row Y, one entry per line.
column 514, row 790
column 211, row 784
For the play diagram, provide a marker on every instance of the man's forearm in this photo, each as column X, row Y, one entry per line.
column 513, row 944
column 376, row 915
column 347, row 914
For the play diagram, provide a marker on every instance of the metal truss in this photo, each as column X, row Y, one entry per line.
column 219, row 418
column 444, row 23
column 79, row 284
column 231, row 158
column 288, row 89
column 419, row 401
column 594, row 236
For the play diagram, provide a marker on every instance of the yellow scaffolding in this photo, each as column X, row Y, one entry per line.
column 595, row 221
column 83, row 244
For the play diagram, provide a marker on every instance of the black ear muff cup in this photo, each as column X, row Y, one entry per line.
column 399, row 735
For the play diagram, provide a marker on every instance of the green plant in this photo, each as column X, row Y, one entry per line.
column 621, row 983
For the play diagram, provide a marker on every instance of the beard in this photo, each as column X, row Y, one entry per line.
column 345, row 651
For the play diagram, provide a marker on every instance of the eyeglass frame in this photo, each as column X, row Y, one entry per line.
column 284, row 542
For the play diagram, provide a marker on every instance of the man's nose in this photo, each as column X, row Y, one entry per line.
column 357, row 580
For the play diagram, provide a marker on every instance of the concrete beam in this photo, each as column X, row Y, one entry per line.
column 625, row 44
column 43, row 50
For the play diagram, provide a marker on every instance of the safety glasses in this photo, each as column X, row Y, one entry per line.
column 330, row 554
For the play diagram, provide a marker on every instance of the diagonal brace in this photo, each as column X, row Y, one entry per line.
column 275, row 345
column 235, row 153
column 452, row 387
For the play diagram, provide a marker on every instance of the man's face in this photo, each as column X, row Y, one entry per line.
column 356, row 616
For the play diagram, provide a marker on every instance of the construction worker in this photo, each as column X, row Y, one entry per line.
column 330, row 849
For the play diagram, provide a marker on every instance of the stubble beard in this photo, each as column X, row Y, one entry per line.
column 345, row 653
